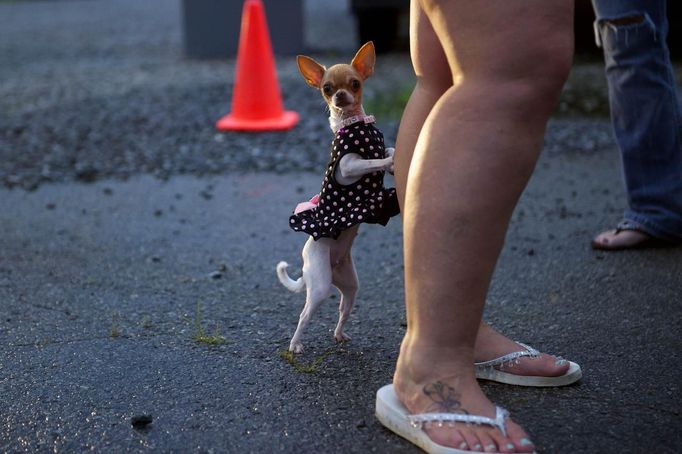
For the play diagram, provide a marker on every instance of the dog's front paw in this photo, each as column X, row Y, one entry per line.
column 296, row 348
column 341, row 337
column 389, row 162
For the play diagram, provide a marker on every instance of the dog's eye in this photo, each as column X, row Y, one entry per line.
column 355, row 84
column 327, row 88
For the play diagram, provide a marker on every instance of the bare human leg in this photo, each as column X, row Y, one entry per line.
column 433, row 80
column 473, row 157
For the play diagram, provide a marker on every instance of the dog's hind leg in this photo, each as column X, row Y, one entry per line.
column 317, row 274
column 345, row 278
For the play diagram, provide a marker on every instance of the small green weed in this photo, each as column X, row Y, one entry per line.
column 311, row 368
column 115, row 331
column 147, row 321
column 201, row 337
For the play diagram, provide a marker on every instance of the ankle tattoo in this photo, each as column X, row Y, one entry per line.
column 444, row 397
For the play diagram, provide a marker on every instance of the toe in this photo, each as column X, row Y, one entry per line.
column 603, row 238
column 620, row 239
column 487, row 443
column 543, row 366
column 472, row 441
column 551, row 366
column 519, row 438
column 447, row 436
column 503, row 443
column 524, row 444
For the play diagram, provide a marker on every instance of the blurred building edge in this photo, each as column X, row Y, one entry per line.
column 211, row 27
column 386, row 23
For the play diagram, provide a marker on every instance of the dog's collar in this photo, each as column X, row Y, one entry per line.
column 357, row 119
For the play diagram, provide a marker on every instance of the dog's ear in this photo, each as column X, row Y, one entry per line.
column 364, row 60
column 311, row 70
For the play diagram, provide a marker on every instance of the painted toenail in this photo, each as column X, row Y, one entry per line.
column 491, row 447
column 463, row 445
column 525, row 442
column 510, row 446
column 477, row 446
column 560, row 362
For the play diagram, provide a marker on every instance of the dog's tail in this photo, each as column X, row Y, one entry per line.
column 293, row 285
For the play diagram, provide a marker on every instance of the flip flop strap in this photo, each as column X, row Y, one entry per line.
column 627, row 225
column 499, row 421
column 511, row 357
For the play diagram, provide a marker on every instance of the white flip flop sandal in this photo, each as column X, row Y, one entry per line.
column 486, row 370
column 394, row 416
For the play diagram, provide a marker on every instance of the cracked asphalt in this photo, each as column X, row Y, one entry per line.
column 106, row 255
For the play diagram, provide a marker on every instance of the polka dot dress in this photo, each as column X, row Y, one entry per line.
column 343, row 206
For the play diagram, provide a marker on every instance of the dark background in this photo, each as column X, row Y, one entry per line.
column 390, row 33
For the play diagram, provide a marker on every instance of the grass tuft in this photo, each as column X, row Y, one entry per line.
column 301, row 368
column 115, row 331
column 147, row 321
column 200, row 335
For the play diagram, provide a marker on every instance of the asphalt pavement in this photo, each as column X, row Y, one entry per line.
column 138, row 250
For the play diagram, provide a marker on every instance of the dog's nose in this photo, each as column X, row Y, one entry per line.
column 341, row 98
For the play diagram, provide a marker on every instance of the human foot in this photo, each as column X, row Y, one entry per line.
column 491, row 345
column 455, row 393
column 618, row 239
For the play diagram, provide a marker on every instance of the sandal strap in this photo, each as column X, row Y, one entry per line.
column 627, row 225
column 499, row 421
column 510, row 358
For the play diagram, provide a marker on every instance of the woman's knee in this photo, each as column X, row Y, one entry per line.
column 432, row 87
column 533, row 84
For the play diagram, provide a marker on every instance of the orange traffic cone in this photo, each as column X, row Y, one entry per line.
column 256, row 100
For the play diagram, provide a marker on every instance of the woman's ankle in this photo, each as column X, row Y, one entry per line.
column 420, row 363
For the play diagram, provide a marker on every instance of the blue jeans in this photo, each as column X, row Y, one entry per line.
column 645, row 112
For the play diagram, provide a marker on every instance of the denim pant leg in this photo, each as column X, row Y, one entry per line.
column 645, row 112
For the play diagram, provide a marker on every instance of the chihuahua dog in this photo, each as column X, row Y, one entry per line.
column 352, row 191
